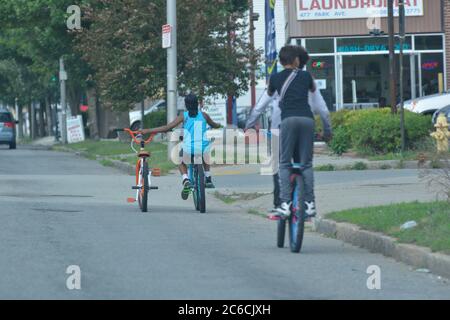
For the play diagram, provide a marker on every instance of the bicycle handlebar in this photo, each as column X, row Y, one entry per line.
column 133, row 135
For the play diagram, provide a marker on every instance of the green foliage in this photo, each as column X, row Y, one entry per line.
column 341, row 141
column 155, row 119
column 360, row 166
column 326, row 167
column 377, row 131
column 433, row 228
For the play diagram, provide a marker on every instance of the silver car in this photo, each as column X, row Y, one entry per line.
column 445, row 111
column 7, row 129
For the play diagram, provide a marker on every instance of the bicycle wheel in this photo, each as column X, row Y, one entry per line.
column 194, row 180
column 297, row 218
column 201, row 188
column 281, row 233
column 143, row 193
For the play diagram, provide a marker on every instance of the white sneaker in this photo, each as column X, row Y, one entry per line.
column 310, row 209
column 284, row 210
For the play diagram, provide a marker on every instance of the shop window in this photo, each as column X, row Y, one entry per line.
column 428, row 42
column 432, row 66
column 322, row 69
column 320, row 45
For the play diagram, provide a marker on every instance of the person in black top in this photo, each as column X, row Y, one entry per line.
column 297, row 126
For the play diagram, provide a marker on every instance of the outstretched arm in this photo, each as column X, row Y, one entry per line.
column 210, row 122
column 167, row 127
column 319, row 106
column 262, row 104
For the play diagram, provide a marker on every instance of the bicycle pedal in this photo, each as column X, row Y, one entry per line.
column 154, row 188
column 274, row 217
column 136, row 188
column 131, row 200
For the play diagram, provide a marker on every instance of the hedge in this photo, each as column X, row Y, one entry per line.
column 375, row 131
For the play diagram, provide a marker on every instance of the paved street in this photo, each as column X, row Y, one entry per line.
column 58, row 210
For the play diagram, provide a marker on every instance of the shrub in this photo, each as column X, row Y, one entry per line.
column 155, row 119
column 341, row 141
column 378, row 131
column 360, row 166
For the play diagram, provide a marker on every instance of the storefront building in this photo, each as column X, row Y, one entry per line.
column 348, row 44
column 447, row 38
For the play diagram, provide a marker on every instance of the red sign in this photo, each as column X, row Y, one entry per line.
column 84, row 108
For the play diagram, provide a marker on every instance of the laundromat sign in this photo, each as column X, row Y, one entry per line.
column 352, row 9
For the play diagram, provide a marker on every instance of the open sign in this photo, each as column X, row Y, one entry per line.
column 430, row 65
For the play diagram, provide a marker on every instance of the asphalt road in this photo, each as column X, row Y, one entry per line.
column 58, row 210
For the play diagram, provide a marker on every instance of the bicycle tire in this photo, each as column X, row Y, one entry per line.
column 281, row 233
column 143, row 195
column 194, row 179
column 297, row 218
column 201, row 188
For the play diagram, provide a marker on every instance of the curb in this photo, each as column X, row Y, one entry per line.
column 415, row 256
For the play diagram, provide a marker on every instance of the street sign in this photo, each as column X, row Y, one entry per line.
column 166, row 36
column 63, row 76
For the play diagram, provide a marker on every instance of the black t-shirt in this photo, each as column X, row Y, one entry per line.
column 295, row 102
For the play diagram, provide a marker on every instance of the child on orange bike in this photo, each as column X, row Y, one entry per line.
column 195, row 125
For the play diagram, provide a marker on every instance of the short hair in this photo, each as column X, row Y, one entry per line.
column 303, row 56
column 288, row 54
column 191, row 103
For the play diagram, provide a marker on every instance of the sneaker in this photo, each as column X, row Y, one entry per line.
column 284, row 211
column 187, row 186
column 310, row 209
column 209, row 184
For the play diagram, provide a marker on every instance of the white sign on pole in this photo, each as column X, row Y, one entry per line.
column 75, row 129
column 352, row 9
column 166, row 36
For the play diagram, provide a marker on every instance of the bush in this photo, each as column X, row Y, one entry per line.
column 378, row 131
column 155, row 119
column 341, row 141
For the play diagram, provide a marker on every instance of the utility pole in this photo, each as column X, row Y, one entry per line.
column 172, row 67
column 142, row 114
column 19, row 118
column 392, row 82
column 62, row 80
column 252, row 49
column 401, row 4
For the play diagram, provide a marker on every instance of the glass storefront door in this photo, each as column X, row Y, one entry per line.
column 369, row 75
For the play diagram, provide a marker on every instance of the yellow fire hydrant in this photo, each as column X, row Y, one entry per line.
column 442, row 134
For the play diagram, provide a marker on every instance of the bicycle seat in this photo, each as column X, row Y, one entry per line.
column 144, row 154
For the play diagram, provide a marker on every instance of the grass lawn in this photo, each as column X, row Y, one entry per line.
column 115, row 150
column 433, row 230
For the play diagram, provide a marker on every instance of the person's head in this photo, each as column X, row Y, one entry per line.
column 303, row 56
column 289, row 56
column 191, row 103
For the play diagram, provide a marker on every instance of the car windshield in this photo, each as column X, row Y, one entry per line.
column 5, row 117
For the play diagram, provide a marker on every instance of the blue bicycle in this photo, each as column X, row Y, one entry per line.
column 197, row 177
column 296, row 220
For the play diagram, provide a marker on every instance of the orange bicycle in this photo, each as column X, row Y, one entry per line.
column 143, row 172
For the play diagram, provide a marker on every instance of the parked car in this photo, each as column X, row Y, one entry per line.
column 428, row 105
column 445, row 111
column 7, row 129
column 135, row 115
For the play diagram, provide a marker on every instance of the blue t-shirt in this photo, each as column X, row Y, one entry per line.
column 194, row 137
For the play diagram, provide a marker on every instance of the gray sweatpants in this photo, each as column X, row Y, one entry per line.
column 297, row 133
